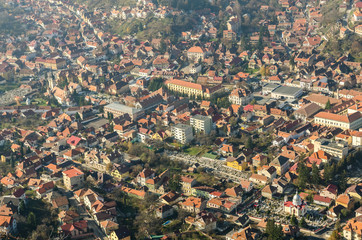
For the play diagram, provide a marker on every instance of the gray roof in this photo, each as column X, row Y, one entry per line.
column 201, row 117
column 122, row 108
column 287, row 90
column 182, row 126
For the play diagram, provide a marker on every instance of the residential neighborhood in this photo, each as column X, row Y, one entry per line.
column 141, row 119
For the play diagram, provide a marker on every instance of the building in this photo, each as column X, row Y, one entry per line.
column 353, row 229
column 201, row 123
column 73, row 178
column 192, row 89
column 182, row 133
column 285, row 92
column 350, row 121
column 307, row 111
column 337, row 149
column 297, row 207
column 240, row 96
column 117, row 109
column 121, row 233
column 281, row 164
column 196, row 54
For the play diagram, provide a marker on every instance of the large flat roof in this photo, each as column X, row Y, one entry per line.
column 122, row 108
column 287, row 90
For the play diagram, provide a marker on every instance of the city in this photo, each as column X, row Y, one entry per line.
column 180, row 119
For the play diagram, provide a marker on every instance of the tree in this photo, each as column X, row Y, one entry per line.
column 342, row 181
column 303, row 223
column 31, row 220
column 22, row 208
column 335, row 235
column 303, row 176
column 294, row 221
column 249, row 143
column 315, row 174
column 175, row 184
column 328, row 105
column 274, row 231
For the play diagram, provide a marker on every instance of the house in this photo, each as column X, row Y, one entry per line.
column 122, row 233
column 353, row 229
column 204, row 221
column 164, row 211
column 186, row 184
column 75, row 229
column 73, row 178
column 268, row 191
column 193, row 204
column 281, row 164
column 345, row 200
column 259, row 179
column 170, row 198
column 324, row 201
column 331, row 191
column 246, row 185
column 245, row 233
column 61, row 203
column 259, row 160
column 355, row 191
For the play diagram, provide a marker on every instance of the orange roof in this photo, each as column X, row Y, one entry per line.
column 195, row 49
column 185, row 84
column 339, row 118
column 73, row 172
column 192, row 202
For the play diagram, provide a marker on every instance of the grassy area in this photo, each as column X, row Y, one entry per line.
column 39, row 102
column 193, row 151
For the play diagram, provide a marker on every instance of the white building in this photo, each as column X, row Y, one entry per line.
column 349, row 121
column 297, row 207
column 182, row 133
column 240, row 96
column 201, row 123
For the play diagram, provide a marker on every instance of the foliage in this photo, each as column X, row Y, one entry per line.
column 315, row 177
column 335, row 235
column 174, row 183
column 303, row 176
column 155, row 84
column 328, row 105
column 274, row 231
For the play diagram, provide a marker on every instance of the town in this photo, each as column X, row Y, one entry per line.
column 141, row 119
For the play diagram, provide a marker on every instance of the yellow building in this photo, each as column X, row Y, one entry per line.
column 192, row 89
column 121, row 233
column 236, row 163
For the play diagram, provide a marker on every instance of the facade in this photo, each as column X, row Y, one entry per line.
column 240, row 96
column 118, row 109
column 192, row 89
column 350, row 121
column 337, row 149
column 353, row 229
column 201, row 123
column 297, row 207
column 182, row 133
column 73, row 178
column 196, row 54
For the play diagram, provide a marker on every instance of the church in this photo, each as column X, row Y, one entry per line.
column 297, row 207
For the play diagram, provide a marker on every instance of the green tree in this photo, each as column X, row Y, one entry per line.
column 342, row 181
column 274, row 231
column 335, row 235
column 303, row 175
column 328, row 105
column 175, row 184
column 294, row 221
column 31, row 220
column 303, row 223
column 249, row 143
column 315, row 177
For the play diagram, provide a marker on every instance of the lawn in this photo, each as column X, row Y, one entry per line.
column 193, row 150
